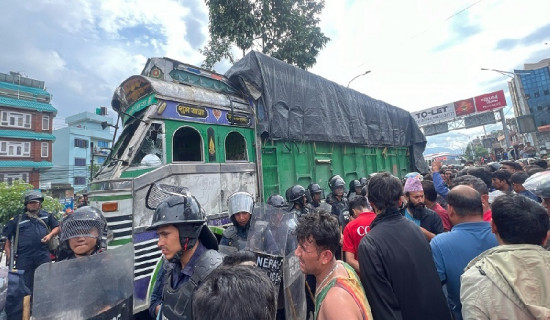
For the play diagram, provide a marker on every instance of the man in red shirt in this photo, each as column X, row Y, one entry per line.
column 356, row 229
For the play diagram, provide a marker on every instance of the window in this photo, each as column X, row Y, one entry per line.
column 79, row 162
column 15, row 149
column 100, row 160
column 546, row 92
column 45, row 123
column 80, row 143
column 11, row 177
column 44, row 150
column 79, row 181
column 187, row 145
column 16, row 119
column 235, row 147
column 103, row 144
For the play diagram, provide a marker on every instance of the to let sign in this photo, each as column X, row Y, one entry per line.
column 433, row 115
column 490, row 101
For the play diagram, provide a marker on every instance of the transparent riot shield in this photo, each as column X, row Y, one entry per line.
column 97, row 287
column 267, row 239
column 293, row 278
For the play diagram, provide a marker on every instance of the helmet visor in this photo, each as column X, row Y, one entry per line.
column 81, row 228
column 240, row 202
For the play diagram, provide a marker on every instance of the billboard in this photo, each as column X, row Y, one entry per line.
column 490, row 101
column 526, row 124
column 467, row 107
column 436, row 114
column 464, row 107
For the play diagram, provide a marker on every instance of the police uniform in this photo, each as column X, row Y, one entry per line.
column 235, row 236
column 31, row 252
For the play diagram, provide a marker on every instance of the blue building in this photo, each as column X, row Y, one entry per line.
column 530, row 91
column 75, row 145
column 26, row 117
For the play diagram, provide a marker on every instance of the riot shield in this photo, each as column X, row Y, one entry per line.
column 97, row 287
column 267, row 239
column 293, row 278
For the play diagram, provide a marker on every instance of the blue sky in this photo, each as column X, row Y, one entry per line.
column 421, row 53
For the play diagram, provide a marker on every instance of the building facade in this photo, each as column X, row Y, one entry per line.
column 26, row 138
column 82, row 142
column 530, row 92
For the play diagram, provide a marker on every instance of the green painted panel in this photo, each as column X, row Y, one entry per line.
column 286, row 163
column 135, row 173
column 119, row 242
column 220, row 133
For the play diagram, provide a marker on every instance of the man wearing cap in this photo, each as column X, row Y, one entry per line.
column 189, row 249
column 428, row 220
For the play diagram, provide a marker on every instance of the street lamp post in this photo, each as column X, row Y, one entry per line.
column 357, row 76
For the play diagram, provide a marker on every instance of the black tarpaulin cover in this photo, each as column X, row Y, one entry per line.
column 299, row 105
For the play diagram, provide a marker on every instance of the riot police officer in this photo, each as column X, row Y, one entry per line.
column 354, row 188
column 189, row 249
column 82, row 232
column 36, row 228
column 336, row 198
column 297, row 200
column 240, row 205
column 315, row 193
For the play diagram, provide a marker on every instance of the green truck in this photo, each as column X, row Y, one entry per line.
column 261, row 128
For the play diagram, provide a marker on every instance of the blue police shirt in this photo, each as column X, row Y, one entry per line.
column 31, row 233
column 453, row 250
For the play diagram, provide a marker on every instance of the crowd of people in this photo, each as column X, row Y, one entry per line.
column 469, row 244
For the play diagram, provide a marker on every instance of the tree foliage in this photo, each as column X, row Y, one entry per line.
column 478, row 152
column 11, row 200
column 284, row 29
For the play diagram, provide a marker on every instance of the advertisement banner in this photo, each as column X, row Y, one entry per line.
column 464, row 107
column 490, row 101
column 433, row 115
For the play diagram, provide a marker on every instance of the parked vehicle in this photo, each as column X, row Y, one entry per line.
column 262, row 128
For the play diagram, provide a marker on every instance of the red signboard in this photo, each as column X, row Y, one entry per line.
column 490, row 101
column 464, row 107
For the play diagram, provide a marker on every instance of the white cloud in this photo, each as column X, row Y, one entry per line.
column 84, row 49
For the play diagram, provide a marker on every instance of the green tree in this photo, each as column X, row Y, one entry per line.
column 478, row 152
column 11, row 200
column 284, row 29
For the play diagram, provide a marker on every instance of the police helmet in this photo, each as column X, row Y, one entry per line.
column 336, row 182
column 363, row 181
column 314, row 188
column 33, row 196
column 287, row 194
column 276, row 200
column 185, row 213
column 240, row 202
column 176, row 210
column 82, row 222
column 297, row 192
column 354, row 184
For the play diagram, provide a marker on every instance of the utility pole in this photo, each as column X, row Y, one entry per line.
column 91, row 161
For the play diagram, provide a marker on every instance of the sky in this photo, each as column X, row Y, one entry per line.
column 420, row 54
